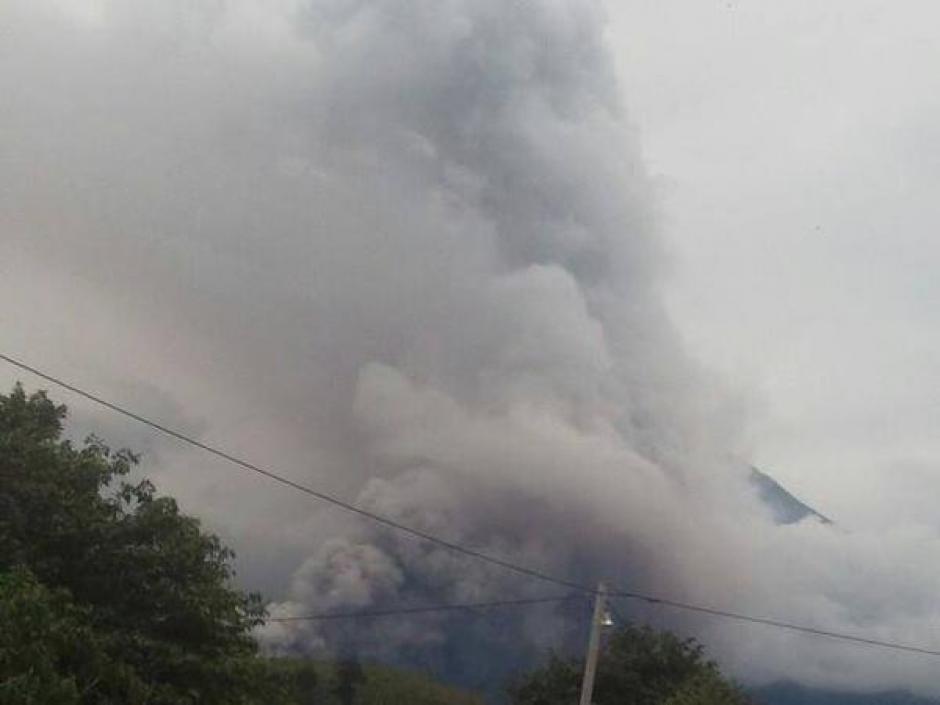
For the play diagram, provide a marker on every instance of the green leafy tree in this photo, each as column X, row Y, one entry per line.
column 637, row 666
column 306, row 682
column 707, row 689
column 152, row 589
column 35, row 636
column 349, row 676
column 296, row 682
column 50, row 654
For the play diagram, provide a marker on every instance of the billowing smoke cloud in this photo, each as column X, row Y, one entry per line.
column 406, row 252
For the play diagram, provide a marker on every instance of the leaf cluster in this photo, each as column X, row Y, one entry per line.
column 637, row 666
column 128, row 599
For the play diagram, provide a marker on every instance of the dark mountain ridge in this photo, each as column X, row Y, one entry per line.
column 786, row 508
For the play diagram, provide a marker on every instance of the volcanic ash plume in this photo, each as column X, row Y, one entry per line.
column 516, row 385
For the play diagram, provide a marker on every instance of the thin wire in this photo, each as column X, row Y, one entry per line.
column 775, row 623
column 391, row 523
column 325, row 616
column 457, row 548
column 420, row 610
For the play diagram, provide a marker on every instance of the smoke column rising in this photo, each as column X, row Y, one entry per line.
column 527, row 386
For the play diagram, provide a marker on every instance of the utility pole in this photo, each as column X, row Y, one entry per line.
column 594, row 644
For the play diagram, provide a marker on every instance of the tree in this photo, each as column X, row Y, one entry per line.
column 637, row 666
column 119, row 564
column 49, row 652
column 296, row 682
column 349, row 675
column 304, row 683
column 707, row 689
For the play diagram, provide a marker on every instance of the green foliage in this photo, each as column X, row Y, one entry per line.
column 35, row 635
column 295, row 682
column 707, row 689
column 386, row 686
column 556, row 683
column 95, row 560
column 379, row 685
column 637, row 666
column 349, row 676
column 49, row 652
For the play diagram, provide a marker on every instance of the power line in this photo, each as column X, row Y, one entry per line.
column 421, row 610
column 378, row 518
column 812, row 631
column 457, row 548
column 776, row 623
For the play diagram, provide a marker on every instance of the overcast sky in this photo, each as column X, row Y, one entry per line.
column 796, row 151
column 450, row 259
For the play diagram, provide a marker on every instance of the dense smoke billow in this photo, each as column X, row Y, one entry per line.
column 405, row 252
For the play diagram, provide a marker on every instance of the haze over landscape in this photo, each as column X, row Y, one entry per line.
column 542, row 278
